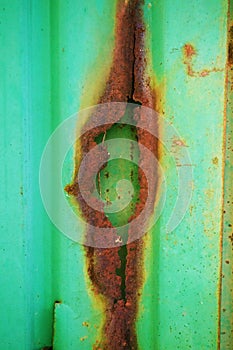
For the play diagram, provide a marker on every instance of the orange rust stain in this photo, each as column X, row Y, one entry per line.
column 127, row 82
column 189, row 52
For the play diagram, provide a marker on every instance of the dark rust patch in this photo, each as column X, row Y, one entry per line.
column 230, row 47
column 127, row 82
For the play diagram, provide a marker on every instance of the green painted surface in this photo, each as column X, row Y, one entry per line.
column 43, row 67
column 181, row 295
column 122, row 166
column 26, row 269
column 55, row 60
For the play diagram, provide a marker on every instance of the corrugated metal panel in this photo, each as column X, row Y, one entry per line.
column 26, row 271
column 187, row 292
column 56, row 59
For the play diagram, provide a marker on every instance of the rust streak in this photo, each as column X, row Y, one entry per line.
column 224, row 151
column 189, row 52
column 127, row 82
column 230, row 46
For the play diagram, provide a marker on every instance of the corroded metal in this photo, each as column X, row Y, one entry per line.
column 116, row 273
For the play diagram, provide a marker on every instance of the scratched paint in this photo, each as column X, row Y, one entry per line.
column 116, row 273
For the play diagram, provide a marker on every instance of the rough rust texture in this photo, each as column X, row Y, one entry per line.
column 230, row 47
column 127, row 83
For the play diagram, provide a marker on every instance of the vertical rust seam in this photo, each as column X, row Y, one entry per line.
column 223, row 180
column 127, row 82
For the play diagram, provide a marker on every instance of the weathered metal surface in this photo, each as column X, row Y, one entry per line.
column 188, row 261
column 42, row 77
column 115, row 271
column 226, row 301
column 59, row 62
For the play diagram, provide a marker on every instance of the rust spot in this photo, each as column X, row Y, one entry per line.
column 215, row 160
column 119, row 279
column 231, row 238
column 83, row 338
column 179, row 142
column 189, row 52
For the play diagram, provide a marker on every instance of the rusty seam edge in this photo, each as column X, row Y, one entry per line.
column 223, row 180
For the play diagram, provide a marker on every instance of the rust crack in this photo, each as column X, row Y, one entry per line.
column 117, row 273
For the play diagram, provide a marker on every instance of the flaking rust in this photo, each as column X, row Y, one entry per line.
column 127, row 82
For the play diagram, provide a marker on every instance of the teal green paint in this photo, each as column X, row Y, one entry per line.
column 42, row 84
column 50, row 51
column 182, row 305
column 26, row 312
column 117, row 169
column 124, row 167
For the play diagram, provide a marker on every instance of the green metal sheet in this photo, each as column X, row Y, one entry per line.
column 26, row 307
column 182, row 307
column 56, row 57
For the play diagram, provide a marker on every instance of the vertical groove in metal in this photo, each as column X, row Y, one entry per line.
column 224, row 152
column 49, row 49
column 55, row 117
column 226, row 302
column 189, row 258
